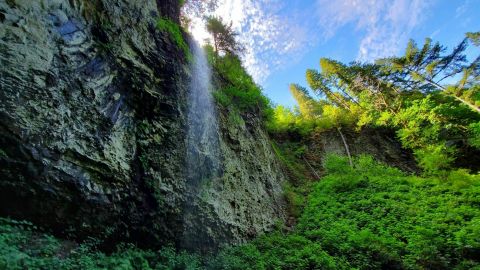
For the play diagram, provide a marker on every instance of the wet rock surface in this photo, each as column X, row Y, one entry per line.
column 93, row 128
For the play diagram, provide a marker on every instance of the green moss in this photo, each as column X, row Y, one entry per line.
column 3, row 154
column 175, row 32
column 235, row 118
column 11, row 3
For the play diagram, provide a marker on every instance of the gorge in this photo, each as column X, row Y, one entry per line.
column 124, row 144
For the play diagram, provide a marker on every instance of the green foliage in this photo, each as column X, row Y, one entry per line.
column 374, row 217
column 438, row 122
column 377, row 217
column 22, row 246
column 284, row 120
column 224, row 37
column 238, row 90
column 474, row 129
column 308, row 107
column 474, row 37
column 278, row 251
column 368, row 217
column 175, row 32
column 435, row 159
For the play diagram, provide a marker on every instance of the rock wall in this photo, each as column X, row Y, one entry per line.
column 92, row 131
column 380, row 143
column 247, row 199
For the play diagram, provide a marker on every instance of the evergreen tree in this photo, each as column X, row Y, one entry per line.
column 426, row 68
column 224, row 37
column 308, row 107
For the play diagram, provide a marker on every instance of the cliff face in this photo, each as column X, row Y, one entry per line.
column 377, row 142
column 93, row 130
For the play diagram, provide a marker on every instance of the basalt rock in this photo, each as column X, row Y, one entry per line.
column 93, row 128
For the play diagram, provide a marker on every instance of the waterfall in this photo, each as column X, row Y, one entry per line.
column 203, row 147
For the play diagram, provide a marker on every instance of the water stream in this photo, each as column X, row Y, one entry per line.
column 203, row 148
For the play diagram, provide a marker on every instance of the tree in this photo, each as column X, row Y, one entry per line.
column 426, row 68
column 323, row 86
column 224, row 37
column 474, row 37
column 309, row 108
column 409, row 93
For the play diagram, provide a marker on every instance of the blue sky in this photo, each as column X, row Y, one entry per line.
column 285, row 37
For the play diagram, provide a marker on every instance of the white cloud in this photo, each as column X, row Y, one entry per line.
column 277, row 35
column 385, row 25
column 272, row 40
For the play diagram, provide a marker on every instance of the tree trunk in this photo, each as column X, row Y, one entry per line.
column 311, row 168
column 346, row 147
column 473, row 107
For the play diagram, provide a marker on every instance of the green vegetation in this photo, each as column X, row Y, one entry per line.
column 290, row 154
column 22, row 246
column 363, row 215
column 224, row 37
column 368, row 217
column 175, row 32
column 439, row 122
column 375, row 217
column 237, row 89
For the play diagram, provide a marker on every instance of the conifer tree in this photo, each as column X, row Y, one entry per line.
column 224, row 37
column 308, row 107
column 426, row 68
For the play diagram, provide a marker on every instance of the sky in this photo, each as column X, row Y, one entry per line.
column 284, row 38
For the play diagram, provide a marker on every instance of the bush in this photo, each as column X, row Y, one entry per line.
column 435, row 159
column 23, row 246
column 173, row 29
column 238, row 88
column 375, row 217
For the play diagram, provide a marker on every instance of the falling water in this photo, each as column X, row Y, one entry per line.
column 202, row 141
column 203, row 150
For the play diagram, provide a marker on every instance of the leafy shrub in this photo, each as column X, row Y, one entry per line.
column 173, row 29
column 376, row 217
column 435, row 159
column 237, row 89
column 22, row 246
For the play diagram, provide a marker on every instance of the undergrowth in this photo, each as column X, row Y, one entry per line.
column 368, row 217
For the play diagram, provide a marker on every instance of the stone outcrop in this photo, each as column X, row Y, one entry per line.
column 377, row 142
column 92, row 130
